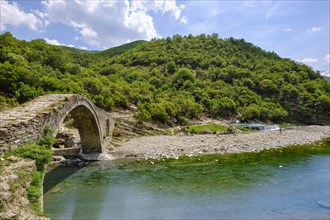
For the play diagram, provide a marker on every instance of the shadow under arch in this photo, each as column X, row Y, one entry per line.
column 88, row 128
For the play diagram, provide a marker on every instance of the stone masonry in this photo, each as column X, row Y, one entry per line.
column 26, row 123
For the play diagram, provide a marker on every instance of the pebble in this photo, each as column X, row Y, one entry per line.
column 13, row 158
column 175, row 146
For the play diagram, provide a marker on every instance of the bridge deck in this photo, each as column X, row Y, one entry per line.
column 30, row 110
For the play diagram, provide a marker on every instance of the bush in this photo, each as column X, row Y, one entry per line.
column 200, row 129
column 34, row 190
column 142, row 115
column 40, row 154
column 223, row 107
column 158, row 112
column 47, row 140
column 183, row 76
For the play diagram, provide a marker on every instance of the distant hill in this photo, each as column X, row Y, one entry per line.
column 76, row 50
column 169, row 80
column 108, row 52
column 327, row 78
column 120, row 49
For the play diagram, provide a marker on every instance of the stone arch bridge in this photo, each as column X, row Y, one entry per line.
column 26, row 123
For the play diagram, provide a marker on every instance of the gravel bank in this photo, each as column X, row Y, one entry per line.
column 193, row 145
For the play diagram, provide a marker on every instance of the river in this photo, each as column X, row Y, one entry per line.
column 288, row 183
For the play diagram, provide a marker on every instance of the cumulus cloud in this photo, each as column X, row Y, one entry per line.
column 315, row 29
column 105, row 23
column 55, row 42
column 327, row 58
column 309, row 60
column 326, row 73
column 12, row 14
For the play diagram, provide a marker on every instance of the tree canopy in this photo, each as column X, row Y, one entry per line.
column 170, row 80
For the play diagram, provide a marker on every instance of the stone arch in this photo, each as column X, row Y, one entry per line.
column 86, row 119
column 88, row 129
column 26, row 123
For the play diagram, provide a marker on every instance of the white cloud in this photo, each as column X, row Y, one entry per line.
column 309, row 60
column 327, row 58
column 326, row 73
column 85, row 30
column 83, row 48
column 42, row 16
column 315, row 29
column 12, row 14
column 55, row 42
column 287, row 29
column 164, row 6
column 184, row 20
column 105, row 23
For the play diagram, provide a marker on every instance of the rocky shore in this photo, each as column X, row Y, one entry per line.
column 193, row 145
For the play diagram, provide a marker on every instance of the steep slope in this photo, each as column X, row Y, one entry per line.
column 169, row 80
column 222, row 77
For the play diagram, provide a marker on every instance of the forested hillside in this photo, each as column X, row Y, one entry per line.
column 169, row 80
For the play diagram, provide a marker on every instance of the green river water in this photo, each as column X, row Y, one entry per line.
column 288, row 183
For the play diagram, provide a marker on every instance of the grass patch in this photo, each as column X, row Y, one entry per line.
column 47, row 139
column 241, row 128
column 207, row 128
column 34, row 191
column 42, row 155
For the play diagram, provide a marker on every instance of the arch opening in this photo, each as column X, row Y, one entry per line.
column 89, row 132
column 68, row 137
column 79, row 130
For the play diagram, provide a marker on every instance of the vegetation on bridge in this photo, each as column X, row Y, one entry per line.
column 41, row 154
column 169, row 80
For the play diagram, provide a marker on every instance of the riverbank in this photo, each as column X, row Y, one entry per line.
column 193, row 145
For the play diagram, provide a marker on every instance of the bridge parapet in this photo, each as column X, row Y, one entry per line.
column 26, row 123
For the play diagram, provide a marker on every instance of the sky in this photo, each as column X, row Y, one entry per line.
column 294, row 29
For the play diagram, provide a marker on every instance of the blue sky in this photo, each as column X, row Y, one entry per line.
column 293, row 29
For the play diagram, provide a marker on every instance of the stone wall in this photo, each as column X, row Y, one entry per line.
column 107, row 124
column 26, row 123
column 16, row 176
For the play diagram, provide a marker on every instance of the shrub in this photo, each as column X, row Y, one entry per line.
column 158, row 112
column 47, row 140
column 34, row 190
column 199, row 129
column 142, row 115
column 40, row 154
